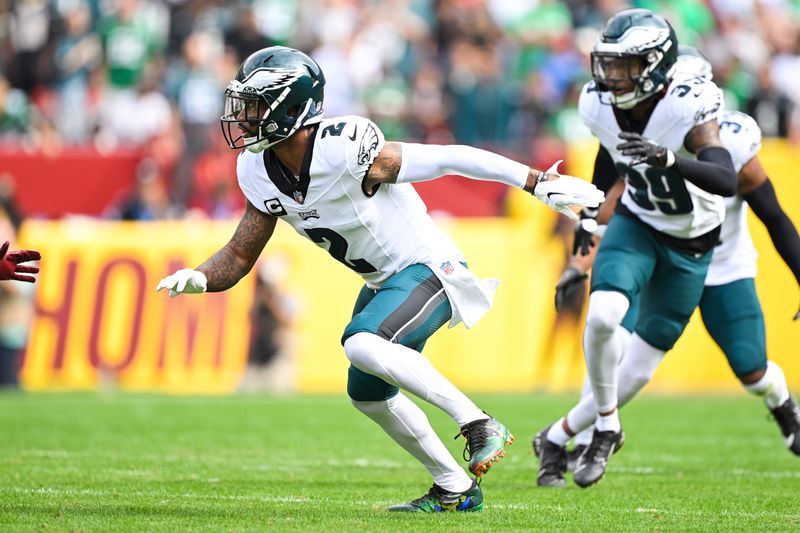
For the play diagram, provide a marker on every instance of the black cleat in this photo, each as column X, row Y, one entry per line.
column 788, row 417
column 592, row 464
column 573, row 455
column 536, row 443
column 552, row 461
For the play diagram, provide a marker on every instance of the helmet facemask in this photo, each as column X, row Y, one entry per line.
column 269, row 105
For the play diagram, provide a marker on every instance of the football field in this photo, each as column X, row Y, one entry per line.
column 130, row 462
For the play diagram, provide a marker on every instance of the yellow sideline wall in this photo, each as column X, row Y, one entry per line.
column 100, row 322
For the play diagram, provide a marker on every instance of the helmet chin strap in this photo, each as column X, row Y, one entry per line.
column 626, row 101
column 630, row 100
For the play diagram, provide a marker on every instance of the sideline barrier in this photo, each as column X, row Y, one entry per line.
column 100, row 322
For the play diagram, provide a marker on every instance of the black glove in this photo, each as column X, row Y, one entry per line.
column 572, row 281
column 644, row 150
column 584, row 236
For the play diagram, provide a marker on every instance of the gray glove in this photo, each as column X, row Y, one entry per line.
column 572, row 281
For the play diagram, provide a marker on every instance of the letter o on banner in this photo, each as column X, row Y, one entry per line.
column 136, row 303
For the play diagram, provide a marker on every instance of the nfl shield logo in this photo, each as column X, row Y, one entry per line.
column 447, row 268
column 298, row 197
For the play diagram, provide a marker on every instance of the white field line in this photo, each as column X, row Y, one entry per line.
column 535, row 507
column 207, row 461
column 126, row 494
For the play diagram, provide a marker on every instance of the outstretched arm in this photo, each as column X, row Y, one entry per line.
column 757, row 189
column 406, row 163
column 231, row 262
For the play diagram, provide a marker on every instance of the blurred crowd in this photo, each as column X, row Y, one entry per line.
column 503, row 74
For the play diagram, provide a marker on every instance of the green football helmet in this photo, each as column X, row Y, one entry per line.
column 636, row 49
column 277, row 91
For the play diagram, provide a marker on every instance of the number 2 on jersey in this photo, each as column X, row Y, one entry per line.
column 667, row 188
column 337, row 247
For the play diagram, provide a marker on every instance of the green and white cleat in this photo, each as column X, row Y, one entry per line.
column 439, row 500
column 486, row 439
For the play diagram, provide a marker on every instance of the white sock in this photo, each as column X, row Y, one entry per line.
column 608, row 422
column 637, row 368
column 411, row 371
column 405, row 422
column 584, row 438
column 557, row 435
column 602, row 345
column 581, row 417
column 634, row 372
column 772, row 386
column 587, row 412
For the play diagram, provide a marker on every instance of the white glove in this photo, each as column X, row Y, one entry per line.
column 185, row 281
column 565, row 191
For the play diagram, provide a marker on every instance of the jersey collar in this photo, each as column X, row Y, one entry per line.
column 284, row 179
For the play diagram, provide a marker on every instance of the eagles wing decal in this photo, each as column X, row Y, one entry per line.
column 269, row 78
column 709, row 108
column 369, row 146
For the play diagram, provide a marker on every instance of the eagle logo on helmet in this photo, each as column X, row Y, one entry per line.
column 271, row 78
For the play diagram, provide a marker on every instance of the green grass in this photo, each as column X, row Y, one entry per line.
column 95, row 462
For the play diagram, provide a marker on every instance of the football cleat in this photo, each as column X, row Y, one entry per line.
column 552, row 461
column 788, row 417
column 572, row 455
column 592, row 464
column 439, row 500
column 486, row 439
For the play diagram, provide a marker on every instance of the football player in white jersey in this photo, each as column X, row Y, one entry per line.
column 337, row 182
column 729, row 306
column 661, row 135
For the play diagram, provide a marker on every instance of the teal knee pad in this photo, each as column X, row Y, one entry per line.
column 364, row 387
column 660, row 331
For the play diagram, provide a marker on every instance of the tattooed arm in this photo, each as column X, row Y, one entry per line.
column 385, row 167
column 234, row 260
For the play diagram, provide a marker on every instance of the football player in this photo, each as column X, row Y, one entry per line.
column 338, row 183
column 10, row 267
column 729, row 306
column 662, row 137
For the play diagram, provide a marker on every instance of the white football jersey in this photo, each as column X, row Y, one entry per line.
column 376, row 236
column 735, row 257
column 660, row 197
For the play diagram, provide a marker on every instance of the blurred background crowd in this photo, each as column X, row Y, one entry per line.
column 503, row 74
